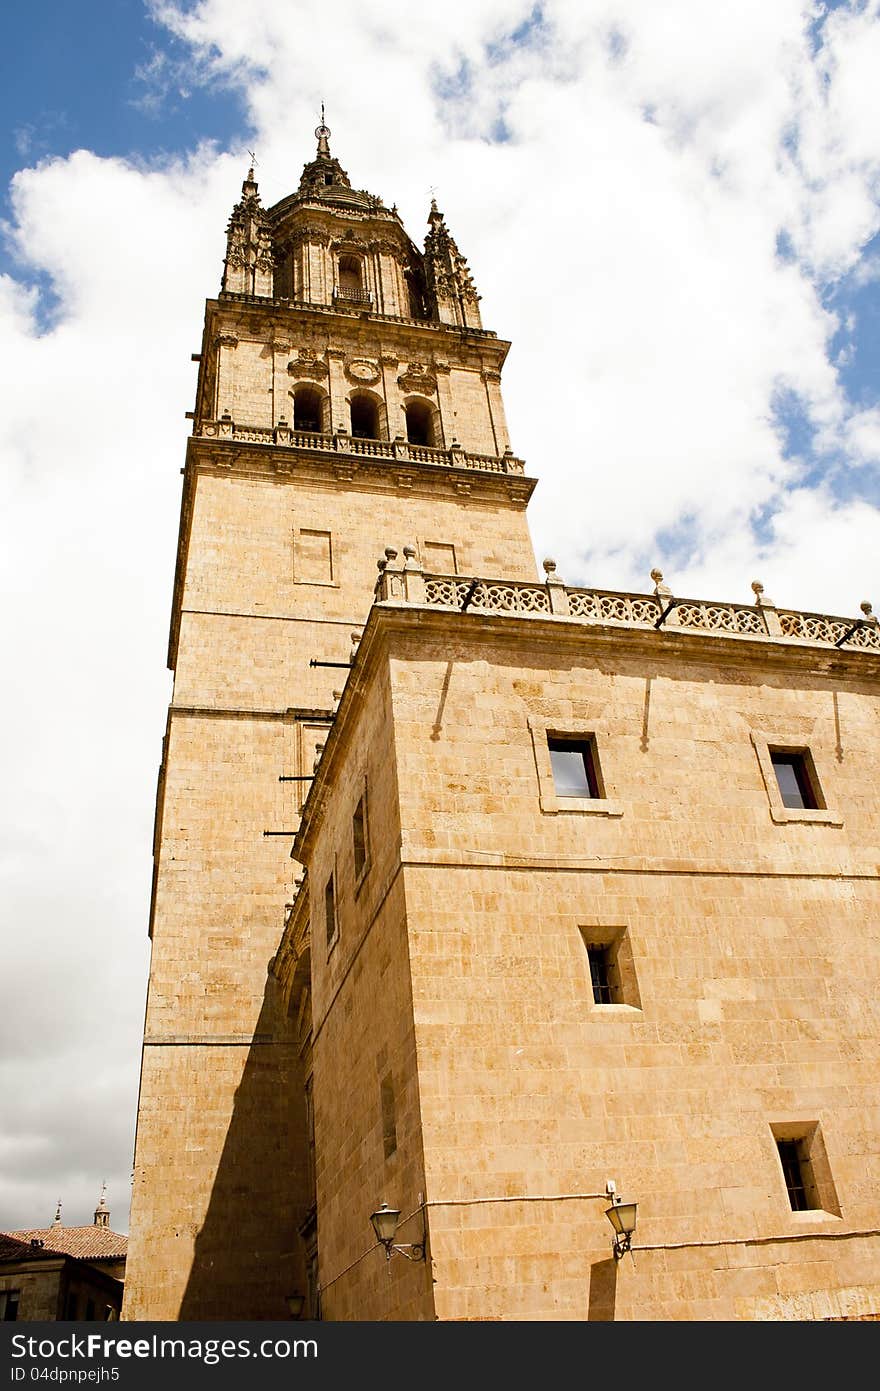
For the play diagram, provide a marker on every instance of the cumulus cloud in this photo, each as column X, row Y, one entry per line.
column 654, row 200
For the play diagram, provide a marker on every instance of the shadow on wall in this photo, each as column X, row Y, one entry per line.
column 248, row 1257
column 603, row 1291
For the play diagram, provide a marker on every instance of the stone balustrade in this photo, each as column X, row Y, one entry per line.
column 409, row 584
column 398, row 450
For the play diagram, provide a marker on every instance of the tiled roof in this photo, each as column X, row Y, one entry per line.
column 11, row 1249
column 86, row 1243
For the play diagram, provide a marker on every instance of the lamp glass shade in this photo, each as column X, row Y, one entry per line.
column 622, row 1217
column 296, row 1303
column 385, row 1221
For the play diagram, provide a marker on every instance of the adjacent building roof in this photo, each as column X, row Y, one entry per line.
column 86, row 1243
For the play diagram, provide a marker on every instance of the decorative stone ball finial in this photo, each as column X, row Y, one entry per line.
column 657, row 576
column 390, row 554
column 757, row 588
column 867, row 608
column 549, row 567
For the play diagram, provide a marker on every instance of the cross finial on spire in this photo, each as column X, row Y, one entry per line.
column 102, row 1212
column 323, row 135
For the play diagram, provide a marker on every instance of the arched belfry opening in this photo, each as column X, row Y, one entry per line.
column 308, row 409
column 420, row 422
column 364, row 416
column 350, row 276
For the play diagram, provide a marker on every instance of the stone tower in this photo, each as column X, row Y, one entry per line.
column 347, row 395
column 483, row 902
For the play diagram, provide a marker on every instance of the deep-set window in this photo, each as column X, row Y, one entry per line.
column 9, row 1300
column 359, row 837
column 330, row 909
column 575, row 766
column 793, row 774
column 601, row 974
column 805, row 1168
column 794, row 1171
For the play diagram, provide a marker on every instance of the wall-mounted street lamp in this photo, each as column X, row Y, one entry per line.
column 385, row 1221
column 622, row 1217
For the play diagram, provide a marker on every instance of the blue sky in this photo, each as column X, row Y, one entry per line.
column 671, row 210
column 91, row 76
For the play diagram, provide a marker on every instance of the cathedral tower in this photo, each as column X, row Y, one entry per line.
column 347, row 396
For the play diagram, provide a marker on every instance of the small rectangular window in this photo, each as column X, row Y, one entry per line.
column 9, row 1305
column 612, row 969
column 793, row 776
column 805, row 1168
column 601, row 974
column 359, row 837
column 330, row 909
column 575, row 766
column 793, row 1166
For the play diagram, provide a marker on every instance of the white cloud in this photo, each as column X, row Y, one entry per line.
column 624, row 238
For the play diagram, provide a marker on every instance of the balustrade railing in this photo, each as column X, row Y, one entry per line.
column 399, row 450
column 613, row 607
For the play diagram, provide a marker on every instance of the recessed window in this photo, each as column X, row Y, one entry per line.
column 796, row 787
column 364, row 417
column 359, row 838
column 805, row 1168
column 331, row 924
column 419, row 423
column 9, row 1300
column 612, row 969
column 602, row 974
column 349, row 273
column 575, row 766
column 795, row 1168
column 308, row 411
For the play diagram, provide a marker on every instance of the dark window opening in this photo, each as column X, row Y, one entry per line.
column 10, row 1309
column 419, row 423
column 71, row 1312
column 90, row 1309
column 328, row 178
column 350, row 274
column 602, row 975
column 359, row 835
column 575, row 766
column 793, row 776
column 795, row 1169
column 364, row 418
column 330, row 909
column 307, row 409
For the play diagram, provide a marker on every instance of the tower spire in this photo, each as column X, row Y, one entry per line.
column 323, row 135
column 57, row 1222
column 102, row 1212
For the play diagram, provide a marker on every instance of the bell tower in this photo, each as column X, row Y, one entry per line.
column 348, row 401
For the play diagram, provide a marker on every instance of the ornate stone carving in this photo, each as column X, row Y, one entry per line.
column 418, row 377
column 303, row 366
column 362, row 370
